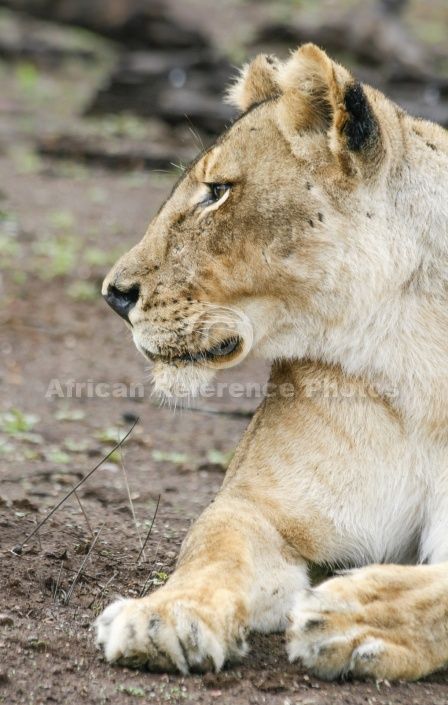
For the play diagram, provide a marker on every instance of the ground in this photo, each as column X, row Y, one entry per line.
column 62, row 225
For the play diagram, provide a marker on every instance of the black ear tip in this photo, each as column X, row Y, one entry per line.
column 361, row 126
column 355, row 100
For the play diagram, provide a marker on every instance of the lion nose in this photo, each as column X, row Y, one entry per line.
column 122, row 301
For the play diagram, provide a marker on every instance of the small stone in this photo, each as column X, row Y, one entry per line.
column 6, row 620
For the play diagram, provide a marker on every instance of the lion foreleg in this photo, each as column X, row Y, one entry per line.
column 232, row 576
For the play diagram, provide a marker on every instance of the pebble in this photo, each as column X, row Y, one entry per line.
column 6, row 620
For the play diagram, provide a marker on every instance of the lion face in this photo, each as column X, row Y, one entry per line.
column 250, row 251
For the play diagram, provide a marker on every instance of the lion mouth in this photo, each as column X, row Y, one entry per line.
column 226, row 349
column 223, row 349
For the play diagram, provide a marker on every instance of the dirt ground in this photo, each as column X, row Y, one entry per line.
column 62, row 225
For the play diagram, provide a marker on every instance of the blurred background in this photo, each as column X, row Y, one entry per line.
column 127, row 83
column 102, row 102
column 131, row 89
column 134, row 87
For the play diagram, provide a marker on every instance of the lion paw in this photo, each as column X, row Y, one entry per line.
column 164, row 635
column 382, row 622
column 325, row 636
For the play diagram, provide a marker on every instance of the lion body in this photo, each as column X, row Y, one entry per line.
column 331, row 243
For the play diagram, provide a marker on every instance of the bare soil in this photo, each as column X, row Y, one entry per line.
column 62, row 225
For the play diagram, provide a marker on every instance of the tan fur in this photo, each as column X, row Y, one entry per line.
column 329, row 257
column 258, row 81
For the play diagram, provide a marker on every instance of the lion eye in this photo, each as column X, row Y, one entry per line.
column 216, row 192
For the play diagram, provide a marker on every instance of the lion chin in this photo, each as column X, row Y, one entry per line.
column 180, row 382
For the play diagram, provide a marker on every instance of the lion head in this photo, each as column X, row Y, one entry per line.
column 276, row 235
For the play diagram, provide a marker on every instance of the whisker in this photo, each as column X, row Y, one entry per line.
column 195, row 134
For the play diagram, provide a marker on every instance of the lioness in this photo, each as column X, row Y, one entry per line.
column 319, row 223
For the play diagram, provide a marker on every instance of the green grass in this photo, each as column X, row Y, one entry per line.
column 17, row 422
column 133, row 690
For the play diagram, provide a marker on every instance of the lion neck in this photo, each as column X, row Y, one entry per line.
column 401, row 344
column 401, row 351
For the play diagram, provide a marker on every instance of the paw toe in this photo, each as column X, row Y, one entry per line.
column 322, row 634
column 104, row 623
column 163, row 637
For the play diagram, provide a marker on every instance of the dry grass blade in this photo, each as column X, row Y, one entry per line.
column 149, row 530
column 18, row 549
column 81, row 567
column 103, row 589
column 148, row 579
column 84, row 513
column 56, row 586
column 131, row 503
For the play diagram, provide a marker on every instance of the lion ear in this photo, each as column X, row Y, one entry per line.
column 319, row 94
column 256, row 82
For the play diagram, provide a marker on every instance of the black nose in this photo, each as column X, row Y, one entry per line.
column 122, row 301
